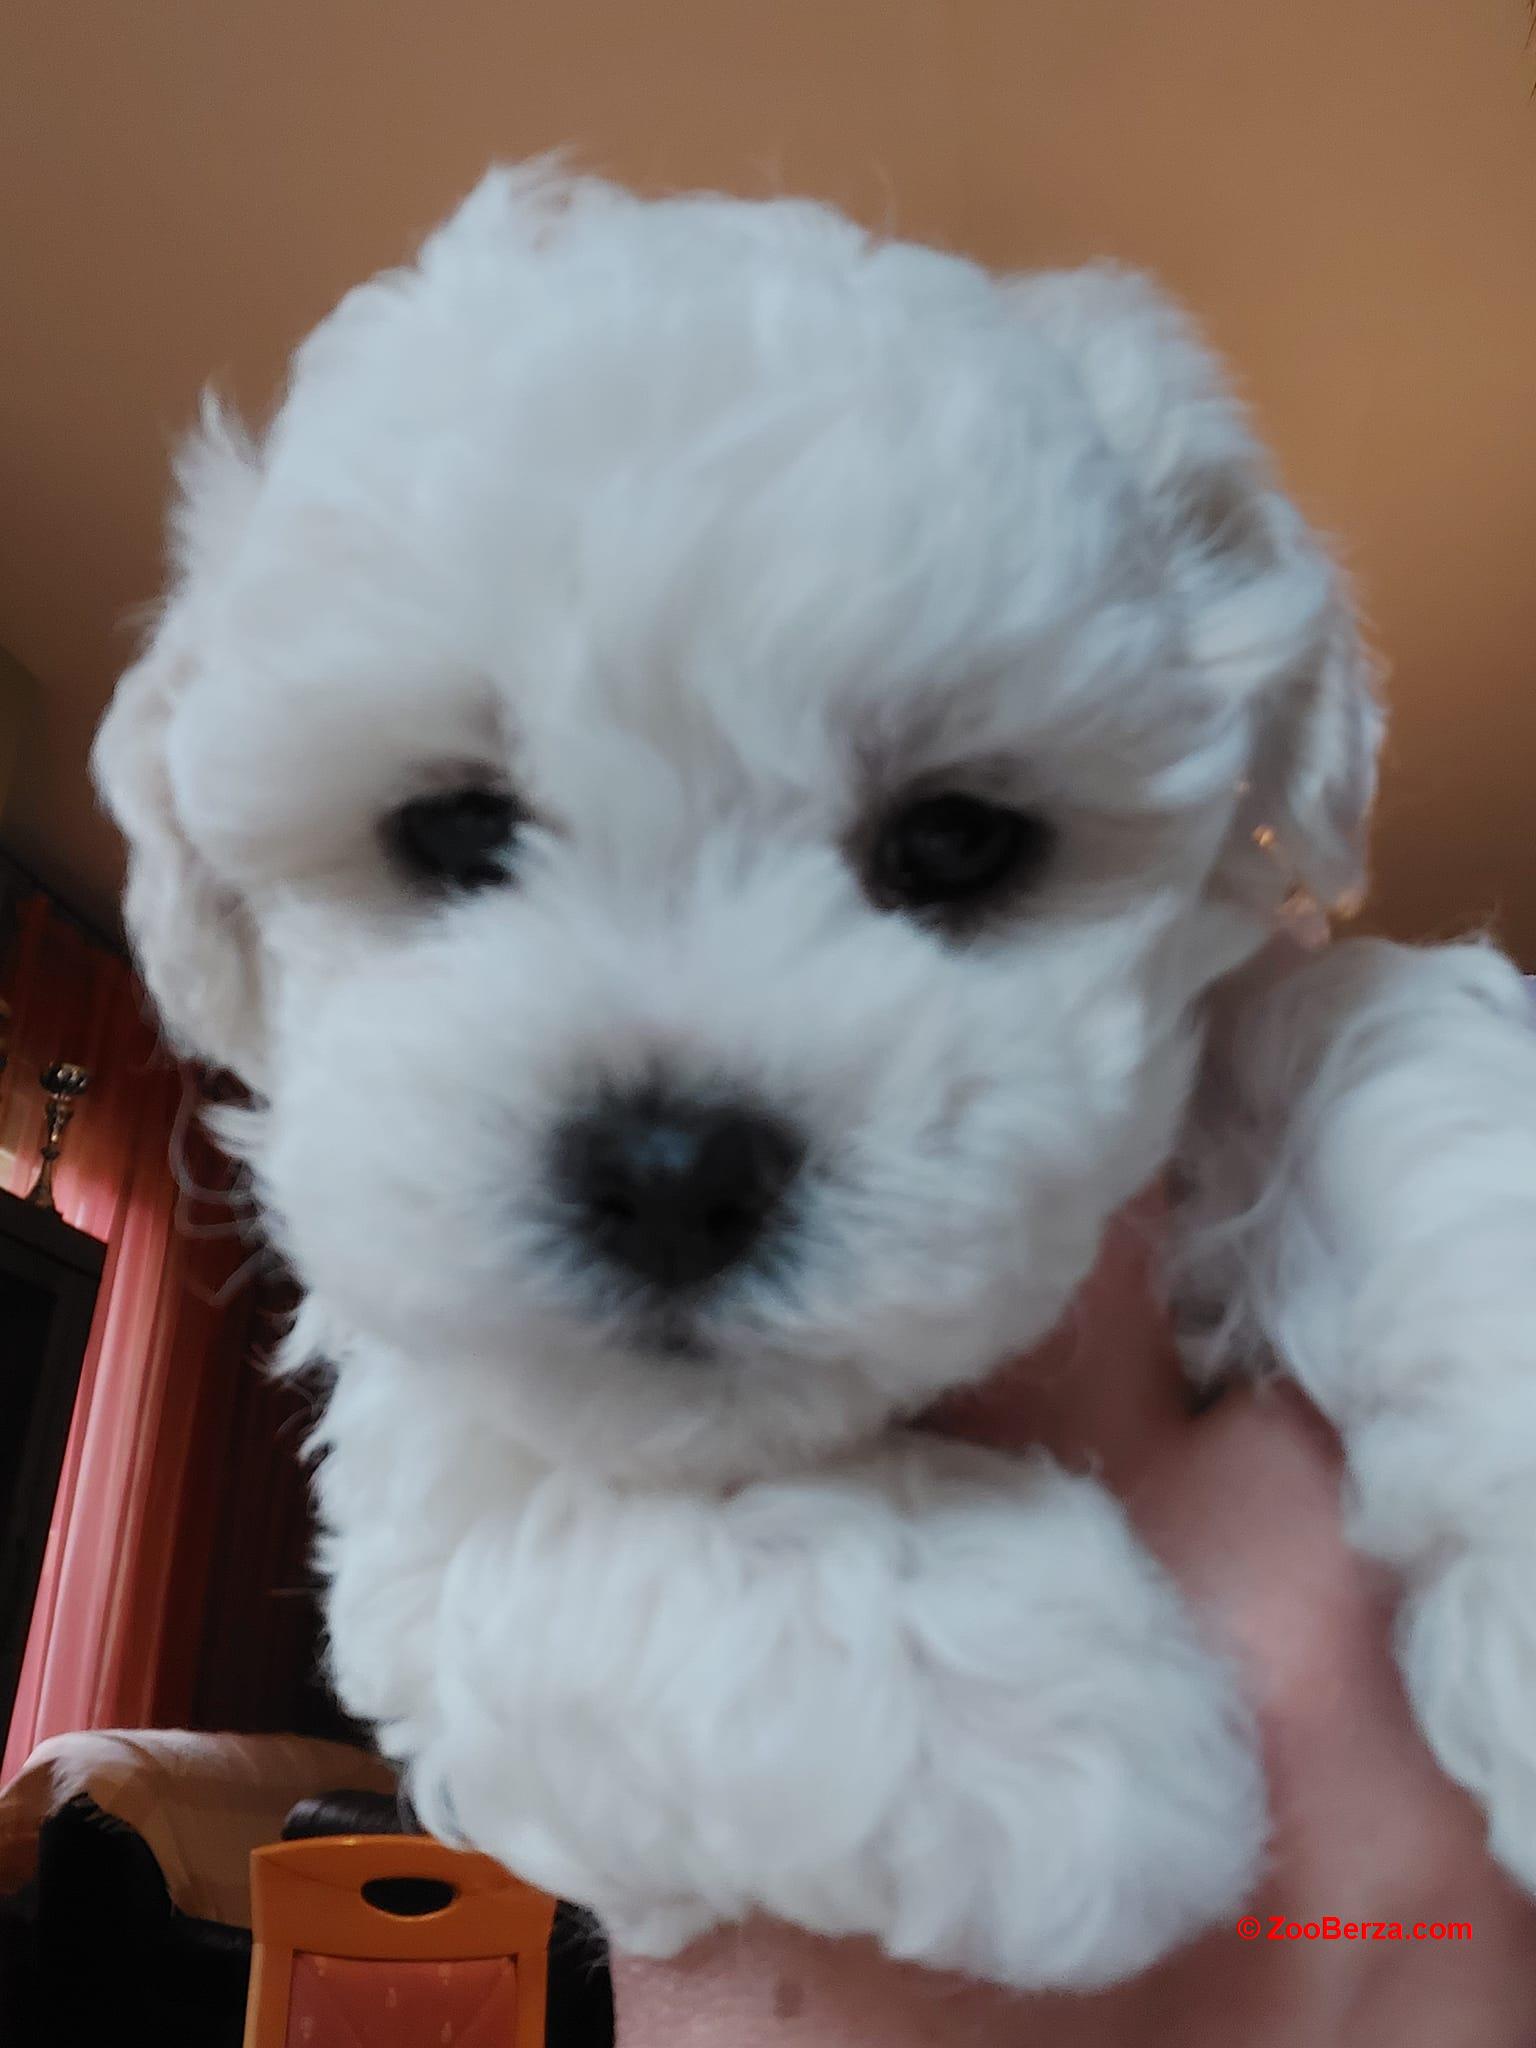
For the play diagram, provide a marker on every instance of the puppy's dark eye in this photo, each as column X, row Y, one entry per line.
column 455, row 839
column 952, row 852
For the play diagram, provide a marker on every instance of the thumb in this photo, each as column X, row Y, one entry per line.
column 1104, row 1391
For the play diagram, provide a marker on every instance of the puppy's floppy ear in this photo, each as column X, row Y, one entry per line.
column 192, row 936
column 1268, row 614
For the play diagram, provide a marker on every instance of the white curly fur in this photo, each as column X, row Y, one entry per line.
column 1363, row 1212
column 709, row 528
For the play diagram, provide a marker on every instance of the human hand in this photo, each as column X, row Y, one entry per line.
column 1242, row 1505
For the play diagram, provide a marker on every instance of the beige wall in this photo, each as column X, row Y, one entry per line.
column 1345, row 189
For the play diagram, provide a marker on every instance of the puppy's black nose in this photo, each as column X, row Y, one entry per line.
column 673, row 1191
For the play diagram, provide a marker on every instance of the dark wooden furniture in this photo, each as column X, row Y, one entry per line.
column 49, row 1275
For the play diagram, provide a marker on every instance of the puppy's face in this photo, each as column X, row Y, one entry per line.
column 701, row 772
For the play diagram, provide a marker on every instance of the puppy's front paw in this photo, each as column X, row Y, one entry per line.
column 1441, row 1491
column 938, row 1697
column 1088, row 1794
column 1467, row 1646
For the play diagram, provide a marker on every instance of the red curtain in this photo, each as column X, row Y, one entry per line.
column 118, row 1580
column 255, row 1663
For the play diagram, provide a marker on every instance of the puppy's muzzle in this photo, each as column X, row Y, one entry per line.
column 672, row 1191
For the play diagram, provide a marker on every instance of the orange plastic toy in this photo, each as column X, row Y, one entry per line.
column 343, row 1955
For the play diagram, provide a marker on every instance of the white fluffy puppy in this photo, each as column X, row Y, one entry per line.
column 705, row 772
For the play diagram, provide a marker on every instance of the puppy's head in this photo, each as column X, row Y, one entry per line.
column 700, row 772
